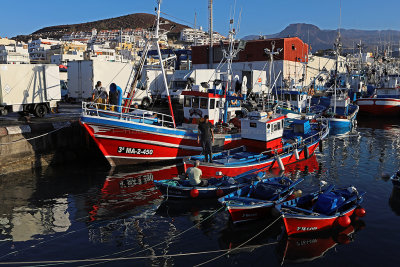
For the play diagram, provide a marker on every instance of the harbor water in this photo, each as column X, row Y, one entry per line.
column 87, row 215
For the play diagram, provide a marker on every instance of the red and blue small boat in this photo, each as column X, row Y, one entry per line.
column 256, row 201
column 321, row 210
column 216, row 188
column 268, row 141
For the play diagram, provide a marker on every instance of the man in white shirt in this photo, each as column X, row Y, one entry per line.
column 194, row 175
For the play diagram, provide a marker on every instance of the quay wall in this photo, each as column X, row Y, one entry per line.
column 40, row 145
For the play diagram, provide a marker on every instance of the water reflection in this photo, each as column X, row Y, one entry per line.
column 20, row 220
column 386, row 123
column 235, row 235
column 304, row 249
column 124, row 192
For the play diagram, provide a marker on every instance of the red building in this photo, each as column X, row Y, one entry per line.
column 289, row 61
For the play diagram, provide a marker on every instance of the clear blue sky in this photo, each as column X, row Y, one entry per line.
column 258, row 16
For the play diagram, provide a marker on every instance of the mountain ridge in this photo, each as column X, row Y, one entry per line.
column 324, row 39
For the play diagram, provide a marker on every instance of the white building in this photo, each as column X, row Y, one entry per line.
column 63, row 59
column 198, row 36
column 14, row 54
column 6, row 41
column 104, row 53
column 319, row 69
column 38, row 50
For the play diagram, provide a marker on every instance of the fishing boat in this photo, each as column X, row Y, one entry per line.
column 385, row 101
column 256, row 200
column 294, row 103
column 127, row 135
column 321, row 210
column 268, row 142
column 341, row 114
column 216, row 188
column 395, row 178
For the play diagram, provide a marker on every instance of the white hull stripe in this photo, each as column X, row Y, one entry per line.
column 255, row 206
column 146, row 158
column 290, row 216
column 157, row 143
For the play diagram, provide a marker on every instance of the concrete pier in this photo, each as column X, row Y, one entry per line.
column 38, row 143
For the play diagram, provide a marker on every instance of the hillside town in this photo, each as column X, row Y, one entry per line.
column 106, row 45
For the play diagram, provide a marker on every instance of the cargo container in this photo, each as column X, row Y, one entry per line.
column 29, row 88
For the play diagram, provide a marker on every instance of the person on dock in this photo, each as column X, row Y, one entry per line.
column 100, row 95
column 206, row 138
column 194, row 174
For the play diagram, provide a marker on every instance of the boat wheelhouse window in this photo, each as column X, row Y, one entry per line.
column 294, row 97
column 187, row 101
column 195, row 102
column 253, row 124
column 204, row 103
column 212, row 103
column 276, row 126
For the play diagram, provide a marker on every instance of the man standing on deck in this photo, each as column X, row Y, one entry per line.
column 206, row 138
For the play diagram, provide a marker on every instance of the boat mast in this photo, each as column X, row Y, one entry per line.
column 230, row 55
column 271, row 52
column 338, row 46
column 337, row 52
column 155, row 40
column 211, row 33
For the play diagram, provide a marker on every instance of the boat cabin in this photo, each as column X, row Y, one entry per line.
column 197, row 104
column 297, row 101
column 262, row 131
column 342, row 101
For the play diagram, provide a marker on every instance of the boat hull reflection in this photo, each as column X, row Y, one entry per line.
column 313, row 246
column 126, row 191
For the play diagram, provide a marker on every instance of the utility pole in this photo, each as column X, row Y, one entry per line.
column 210, row 29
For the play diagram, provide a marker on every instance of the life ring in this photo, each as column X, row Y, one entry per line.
column 234, row 102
